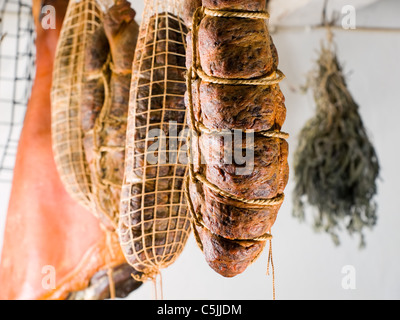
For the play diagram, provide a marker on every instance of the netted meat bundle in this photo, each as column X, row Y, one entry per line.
column 90, row 97
column 154, row 224
column 238, row 165
column 81, row 20
column 104, row 107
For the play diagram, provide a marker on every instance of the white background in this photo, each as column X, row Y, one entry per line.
column 309, row 265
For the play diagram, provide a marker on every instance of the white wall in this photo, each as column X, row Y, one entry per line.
column 308, row 265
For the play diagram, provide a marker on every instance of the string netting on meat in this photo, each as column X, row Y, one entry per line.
column 154, row 222
column 17, row 69
column 81, row 20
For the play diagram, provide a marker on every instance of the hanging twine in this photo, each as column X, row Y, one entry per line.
column 261, row 202
column 235, row 14
column 268, row 80
column 271, row 262
column 269, row 134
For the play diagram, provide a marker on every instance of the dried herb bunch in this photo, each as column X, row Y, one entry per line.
column 335, row 164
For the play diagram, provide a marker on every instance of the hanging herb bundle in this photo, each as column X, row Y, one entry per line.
column 335, row 165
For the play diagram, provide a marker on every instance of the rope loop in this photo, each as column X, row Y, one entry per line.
column 236, row 14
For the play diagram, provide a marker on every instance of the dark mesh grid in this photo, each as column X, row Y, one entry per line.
column 17, row 68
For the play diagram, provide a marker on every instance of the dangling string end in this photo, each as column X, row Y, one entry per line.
column 158, row 287
column 271, row 262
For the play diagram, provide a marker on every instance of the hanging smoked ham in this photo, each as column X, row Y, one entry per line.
column 48, row 235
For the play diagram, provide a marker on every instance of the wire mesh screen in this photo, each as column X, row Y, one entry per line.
column 17, row 68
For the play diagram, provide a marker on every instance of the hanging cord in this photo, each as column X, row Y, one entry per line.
column 151, row 275
column 158, row 288
column 271, row 262
column 111, row 257
column 111, row 283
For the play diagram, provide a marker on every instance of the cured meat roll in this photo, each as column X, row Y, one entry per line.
column 238, row 164
column 66, row 95
column 104, row 107
column 154, row 222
